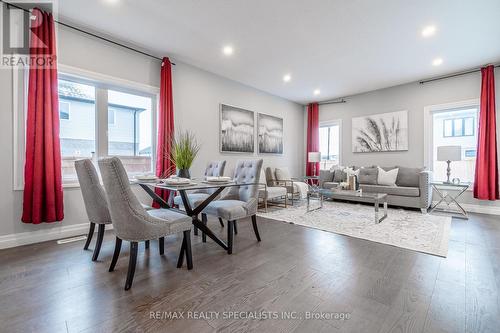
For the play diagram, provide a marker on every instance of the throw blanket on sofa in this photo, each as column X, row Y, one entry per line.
column 302, row 188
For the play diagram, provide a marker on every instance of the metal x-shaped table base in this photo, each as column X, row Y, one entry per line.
column 453, row 199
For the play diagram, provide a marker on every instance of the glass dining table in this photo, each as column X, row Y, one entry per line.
column 193, row 212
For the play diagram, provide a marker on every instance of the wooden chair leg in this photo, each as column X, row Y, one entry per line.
column 230, row 237
column 221, row 222
column 89, row 236
column 180, row 261
column 235, row 227
column 116, row 254
column 146, row 244
column 204, row 221
column 131, row 265
column 255, row 229
column 100, row 236
column 161, row 243
column 189, row 253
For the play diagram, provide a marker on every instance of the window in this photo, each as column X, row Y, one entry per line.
column 105, row 122
column 131, row 138
column 455, row 127
column 329, row 143
column 77, row 134
column 458, row 127
column 63, row 110
column 111, row 116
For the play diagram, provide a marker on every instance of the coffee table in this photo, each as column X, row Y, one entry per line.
column 366, row 197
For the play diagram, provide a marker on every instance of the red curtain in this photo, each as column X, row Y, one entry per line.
column 486, row 177
column 164, row 166
column 43, row 193
column 312, row 137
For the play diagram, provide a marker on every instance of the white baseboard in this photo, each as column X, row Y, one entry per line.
column 481, row 209
column 38, row 236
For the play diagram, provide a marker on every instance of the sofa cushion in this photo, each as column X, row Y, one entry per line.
column 329, row 185
column 392, row 190
column 325, row 176
column 368, row 176
column 408, row 176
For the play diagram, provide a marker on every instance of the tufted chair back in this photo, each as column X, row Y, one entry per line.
column 93, row 193
column 246, row 171
column 215, row 168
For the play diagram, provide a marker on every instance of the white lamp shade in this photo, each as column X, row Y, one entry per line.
column 314, row 156
column 449, row 153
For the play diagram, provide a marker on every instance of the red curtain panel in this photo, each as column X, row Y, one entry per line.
column 486, row 177
column 43, row 193
column 164, row 166
column 312, row 136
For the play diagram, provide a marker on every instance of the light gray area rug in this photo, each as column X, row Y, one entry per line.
column 402, row 228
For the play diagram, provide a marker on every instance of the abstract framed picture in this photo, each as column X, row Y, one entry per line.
column 270, row 134
column 236, row 130
column 380, row 132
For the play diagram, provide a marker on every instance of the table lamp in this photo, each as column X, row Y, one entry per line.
column 448, row 154
column 314, row 157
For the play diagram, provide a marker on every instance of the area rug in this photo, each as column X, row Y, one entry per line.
column 402, row 228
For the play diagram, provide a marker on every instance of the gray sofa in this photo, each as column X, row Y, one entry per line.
column 413, row 188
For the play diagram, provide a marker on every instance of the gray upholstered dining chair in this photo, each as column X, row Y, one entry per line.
column 213, row 169
column 95, row 202
column 240, row 201
column 132, row 223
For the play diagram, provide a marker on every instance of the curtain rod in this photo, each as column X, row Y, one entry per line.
column 453, row 75
column 91, row 34
column 332, row 102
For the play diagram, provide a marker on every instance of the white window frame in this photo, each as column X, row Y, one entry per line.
column 102, row 82
column 429, row 126
column 334, row 122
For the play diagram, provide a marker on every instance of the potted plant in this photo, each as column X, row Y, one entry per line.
column 184, row 149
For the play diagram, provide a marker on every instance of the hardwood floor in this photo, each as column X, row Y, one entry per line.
column 57, row 288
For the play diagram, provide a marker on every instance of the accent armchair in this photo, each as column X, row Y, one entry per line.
column 132, row 223
column 268, row 194
column 240, row 201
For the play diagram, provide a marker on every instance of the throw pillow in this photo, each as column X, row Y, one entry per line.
column 387, row 178
column 368, row 176
column 409, row 177
column 351, row 172
column 282, row 174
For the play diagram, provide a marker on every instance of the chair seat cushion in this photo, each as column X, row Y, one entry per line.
column 272, row 192
column 170, row 220
column 227, row 209
column 392, row 190
column 194, row 199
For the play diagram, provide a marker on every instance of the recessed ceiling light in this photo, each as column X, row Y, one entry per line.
column 287, row 78
column 429, row 31
column 112, row 2
column 437, row 61
column 228, row 50
column 317, row 92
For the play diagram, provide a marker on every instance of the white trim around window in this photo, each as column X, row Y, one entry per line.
column 19, row 92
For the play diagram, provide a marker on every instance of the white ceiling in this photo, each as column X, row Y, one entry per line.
column 341, row 47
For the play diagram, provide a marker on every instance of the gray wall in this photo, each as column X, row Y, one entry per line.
column 197, row 95
column 413, row 97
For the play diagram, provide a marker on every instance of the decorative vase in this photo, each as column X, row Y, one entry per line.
column 183, row 173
